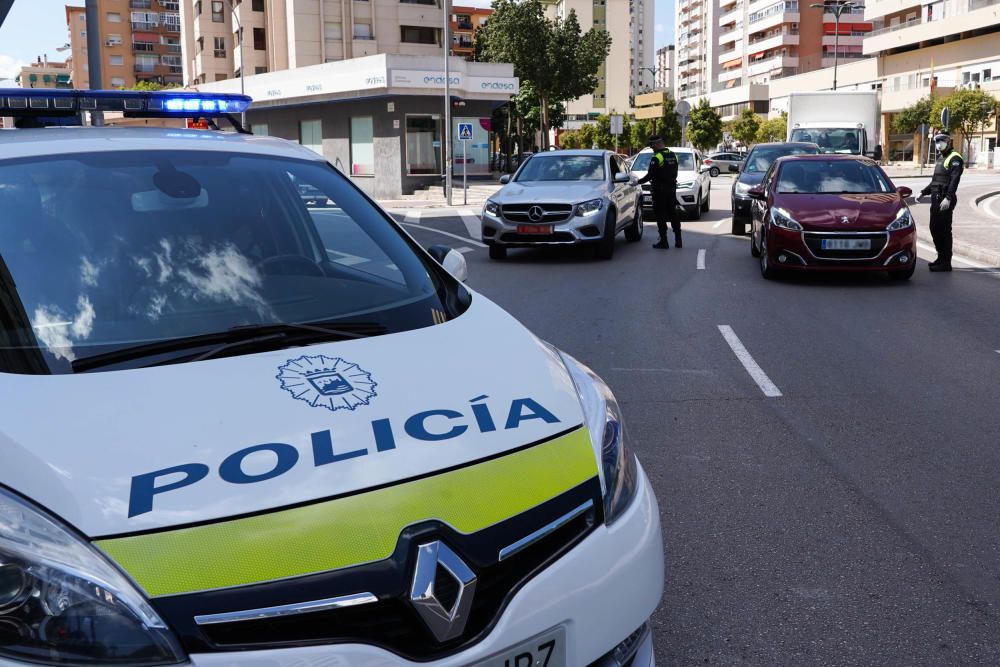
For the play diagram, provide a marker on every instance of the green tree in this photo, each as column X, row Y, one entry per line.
column 773, row 129
column 588, row 135
column 705, row 127
column 570, row 139
column 642, row 130
column 970, row 109
column 668, row 126
column 152, row 86
column 745, row 127
column 907, row 120
column 555, row 59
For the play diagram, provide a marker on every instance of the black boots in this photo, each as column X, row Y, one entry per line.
column 662, row 244
column 940, row 266
column 677, row 239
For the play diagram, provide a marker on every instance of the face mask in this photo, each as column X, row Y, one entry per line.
column 941, row 145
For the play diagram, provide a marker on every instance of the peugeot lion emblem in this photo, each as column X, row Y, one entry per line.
column 444, row 622
column 536, row 213
column 844, row 219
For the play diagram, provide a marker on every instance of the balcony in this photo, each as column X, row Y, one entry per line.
column 731, row 54
column 730, row 74
column 170, row 5
column 143, row 47
column 734, row 16
column 774, row 41
column 144, row 25
column 173, row 48
column 843, row 59
column 881, row 8
column 771, row 64
column 776, row 9
column 140, row 4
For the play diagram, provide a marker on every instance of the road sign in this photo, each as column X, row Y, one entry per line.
column 682, row 108
column 946, row 118
column 616, row 125
column 465, row 131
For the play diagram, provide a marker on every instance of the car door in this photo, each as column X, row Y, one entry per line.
column 704, row 177
column 616, row 194
column 630, row 195
column 759, row 208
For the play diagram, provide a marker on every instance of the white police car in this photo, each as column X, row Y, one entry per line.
column 235, row 430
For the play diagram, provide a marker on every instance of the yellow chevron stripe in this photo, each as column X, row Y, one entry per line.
column 349, row 531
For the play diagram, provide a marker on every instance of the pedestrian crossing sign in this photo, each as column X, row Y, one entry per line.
column 465, row 131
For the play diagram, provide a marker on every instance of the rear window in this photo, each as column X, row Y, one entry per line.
column 831, row 177
column 761, row 157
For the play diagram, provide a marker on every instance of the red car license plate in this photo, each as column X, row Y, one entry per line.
column 534, row 229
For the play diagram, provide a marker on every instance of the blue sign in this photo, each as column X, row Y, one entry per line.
column 465, row 131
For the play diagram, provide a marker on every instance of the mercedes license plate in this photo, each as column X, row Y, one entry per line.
column 647, row 199
column 534, row 229
column 545, row 650
column 846, row 244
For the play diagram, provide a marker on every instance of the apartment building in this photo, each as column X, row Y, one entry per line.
column 665, row 64
column 932, row 49
column 140, row 41
column 642, row 18
column 44, row 73
column 287, row 34
column 465, row 21
column 697, row 34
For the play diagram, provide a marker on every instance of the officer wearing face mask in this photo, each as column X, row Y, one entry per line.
column 942, row 189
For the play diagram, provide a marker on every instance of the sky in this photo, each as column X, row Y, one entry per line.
column 36, row 27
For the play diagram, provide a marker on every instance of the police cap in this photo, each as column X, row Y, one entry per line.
column 655, row 139
column 942, row 137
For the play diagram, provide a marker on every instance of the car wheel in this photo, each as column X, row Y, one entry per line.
column 713, row 172
column 694, row 211
column 606, row 246
column 766, row 270
column 740, row 228
column 633, row 232
column 498, row 252
column 754, row 250
column 903, row 274
column 707, row 204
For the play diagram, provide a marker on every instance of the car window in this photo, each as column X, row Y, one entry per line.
column 113, row 249
column 831, row 177
column 563, row 168
column 761, row 157
column 840, row 140
column 615, row 167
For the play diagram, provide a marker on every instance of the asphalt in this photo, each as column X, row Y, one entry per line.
column 852, row 520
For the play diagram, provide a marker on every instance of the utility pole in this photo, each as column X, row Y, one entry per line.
column 94, row 55
column 447, row 99
column 838, row 7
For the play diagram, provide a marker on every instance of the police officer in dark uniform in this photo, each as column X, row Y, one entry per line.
column 663, row 175
column 942, row 189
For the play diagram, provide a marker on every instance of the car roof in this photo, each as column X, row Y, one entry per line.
column 825, row 158
column 800, row 144
column 67, row 140
column 576, row 151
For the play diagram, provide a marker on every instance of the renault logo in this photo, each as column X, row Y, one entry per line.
column 536, row 213
column 446, row 618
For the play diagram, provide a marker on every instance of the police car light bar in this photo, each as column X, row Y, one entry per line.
column 19, row 102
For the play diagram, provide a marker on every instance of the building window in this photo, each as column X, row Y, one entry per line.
column 219, row 47
column 146, row 63
column 311, row 135
column 332, row 31
column 362, row 146
column 221, row 77
column 117, row 82
column 259, row 39
column 197, row 8
column 362, row 31
column 417, row 35
column 201, row 44
column 218, row 15
column 114, row 17
column 259, row 129
column 260, row 70
column 423, row 145
column 257, row 6
column 116, row 61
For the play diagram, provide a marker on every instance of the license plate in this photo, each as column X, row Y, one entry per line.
column 647, row 199
column 545, row 650
column 534, row 229
column 846, row 244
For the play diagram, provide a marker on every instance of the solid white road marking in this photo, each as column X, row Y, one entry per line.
column 463, row 250
column 989, row 206
column 440, row 231
column 755, row 371
column 701, row 259
column 472, row 223
column 961, row 260
column 413, row 215
column 719, row 223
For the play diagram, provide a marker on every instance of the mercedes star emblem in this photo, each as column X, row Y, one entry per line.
column 536, row 213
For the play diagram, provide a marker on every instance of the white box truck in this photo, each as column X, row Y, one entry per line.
column 838, row 121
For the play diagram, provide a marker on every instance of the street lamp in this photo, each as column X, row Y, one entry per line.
column 243, row 64
column 838, row 7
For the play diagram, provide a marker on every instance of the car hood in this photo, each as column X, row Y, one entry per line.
column 846, row 212
column 92, row 447
column 751, row 178
column 561, row 192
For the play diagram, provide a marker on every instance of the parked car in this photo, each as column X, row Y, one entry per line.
column 752, row 171
column 694, row 185
column 831, row 213
column 564, row 198
column 720, row 162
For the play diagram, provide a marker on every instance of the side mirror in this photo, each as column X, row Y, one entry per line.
column 904, row 192
column 734, row 169
column 452, row 261
column 505, row 179
column 621, row 178
column 756, row 192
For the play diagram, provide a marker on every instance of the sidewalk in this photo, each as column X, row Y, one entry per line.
column 976, row 225
column 910, row 171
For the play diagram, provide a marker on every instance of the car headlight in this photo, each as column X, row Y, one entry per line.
column 902, row 221
column 687, row 185
column 783, row 218
column 589, row 207
column 619, row 470
column 492, row 208
column 742, row 188
column 63, row 603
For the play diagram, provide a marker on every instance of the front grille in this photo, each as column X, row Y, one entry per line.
column 551, row 213
column 814, row 242
column 391, row 623
column 555, row 237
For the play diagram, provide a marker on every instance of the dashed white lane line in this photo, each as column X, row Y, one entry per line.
column 413, row 215
column 701, row 259
column 472, row 223
column 463, row 250
column 718, row 223
column 441, row 231
column 756, row 372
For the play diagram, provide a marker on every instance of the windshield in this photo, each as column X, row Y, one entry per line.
column 107, row 251
column 685, row 161
column 831, row 177
column 563, row 168
column 845, row 141
column 761, row 157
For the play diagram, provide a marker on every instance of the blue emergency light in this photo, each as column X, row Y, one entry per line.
column 23, row 102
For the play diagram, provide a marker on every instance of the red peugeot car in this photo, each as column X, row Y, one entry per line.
column 831, row 213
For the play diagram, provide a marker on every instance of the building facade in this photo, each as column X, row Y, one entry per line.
column 666, row 63
column 287, row 34
column 465, row 22
column 642, row 17
column 44, row 73
column 696, row 40
column 140, row 41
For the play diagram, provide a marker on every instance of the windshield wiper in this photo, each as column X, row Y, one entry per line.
column 259, row 336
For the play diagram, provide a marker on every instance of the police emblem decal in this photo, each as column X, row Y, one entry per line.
column 327, row 382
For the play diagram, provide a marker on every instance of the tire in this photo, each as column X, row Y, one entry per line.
column 707, row 204
column 740, row 228
column 713, row 172
column 903, row 274
column 766, row 270
column 754, row 250
column 694, row 211
column 633, row 232
column 498, row 252
column 606, row 246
